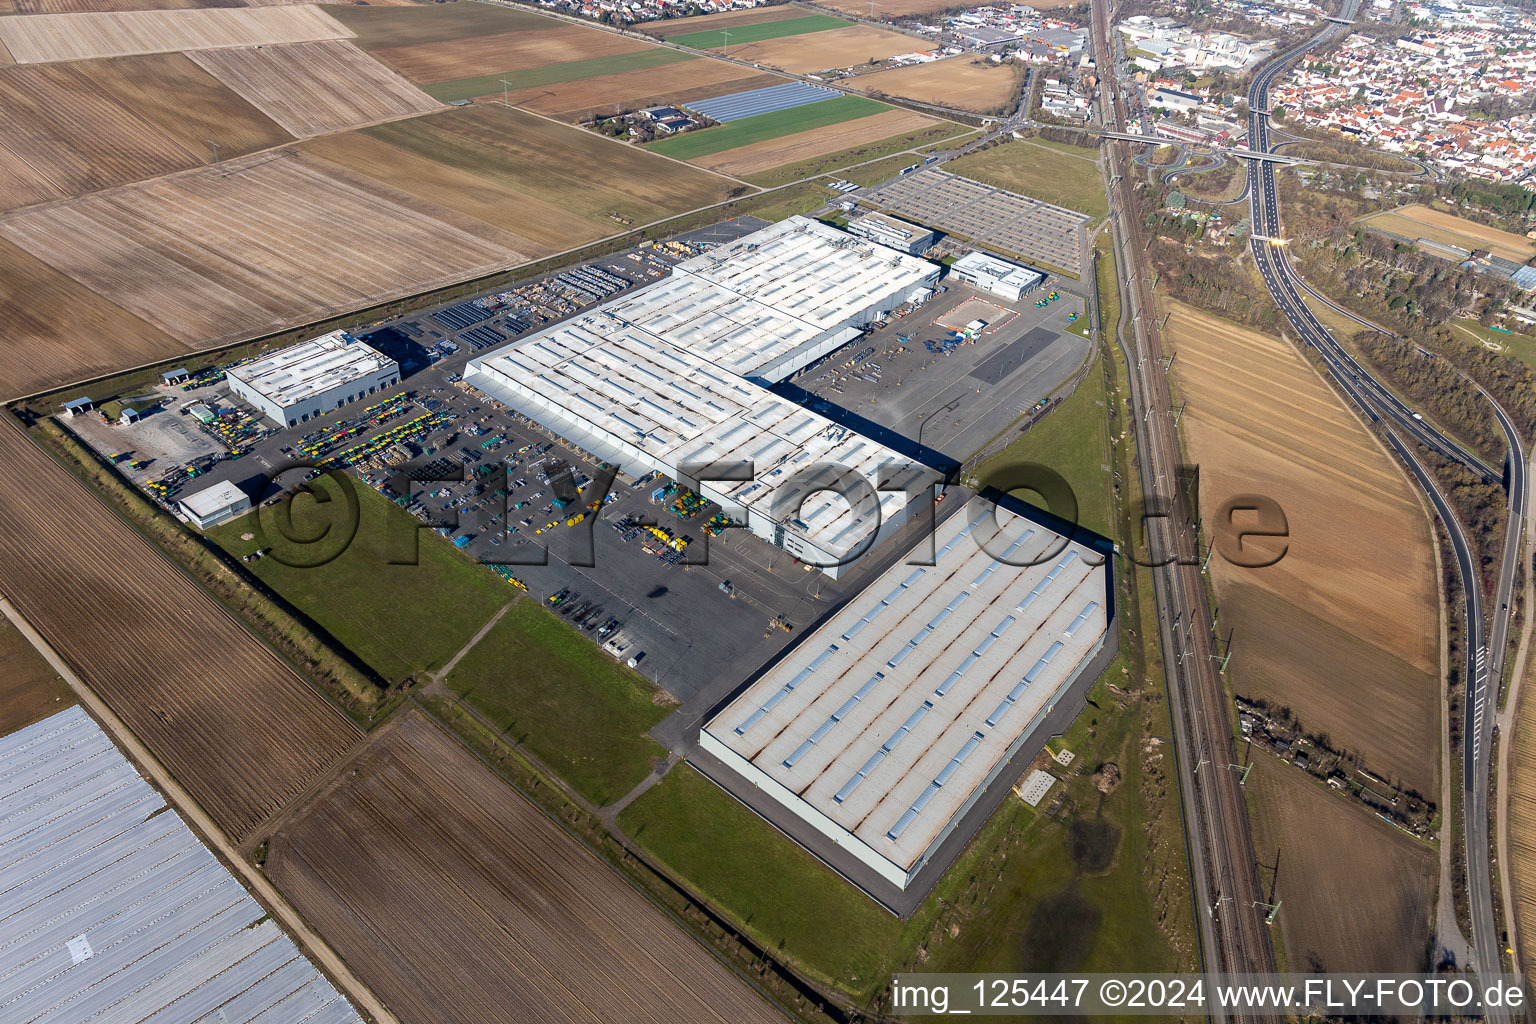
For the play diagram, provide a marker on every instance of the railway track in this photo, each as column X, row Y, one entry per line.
column 1230, row 906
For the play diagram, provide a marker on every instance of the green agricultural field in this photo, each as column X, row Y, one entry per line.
column 555, row 74
column 545, row 686
column 398, row 619
column 773, row 125
column 1064, row 175
column 379, row 28
column 716, row 37
column 1031, row 892
column 1073, row 440
column 931, row 135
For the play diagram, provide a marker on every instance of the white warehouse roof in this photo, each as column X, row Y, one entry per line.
column 885, row 722
column 671, row 406
column 114, row 911
column 774, row 291
column 214, row 499
column 1013, row 275
column 299, row 372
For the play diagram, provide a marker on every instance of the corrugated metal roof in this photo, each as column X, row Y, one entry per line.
column 891, row 714
column 115, row 912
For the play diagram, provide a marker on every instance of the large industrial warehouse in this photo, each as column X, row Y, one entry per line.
column 778, row 299
column 673, row 375
column 891, row 720
column 312, row 378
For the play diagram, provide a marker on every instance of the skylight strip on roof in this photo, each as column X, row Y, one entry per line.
column 1082, row 617
column 933, row 787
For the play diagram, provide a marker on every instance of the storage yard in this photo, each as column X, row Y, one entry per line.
column 314, row 88
column 76, row 128
column 242, row 732
column 988, row 215
column 119, row 909
column 967, row 82
column 421, row 853
column 40, row 38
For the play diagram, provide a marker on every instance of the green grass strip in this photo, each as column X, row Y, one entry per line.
column 768, row 126
column 716, row 37
column 555, row 74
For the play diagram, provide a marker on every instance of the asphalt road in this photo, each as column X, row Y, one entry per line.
column 1380, row 405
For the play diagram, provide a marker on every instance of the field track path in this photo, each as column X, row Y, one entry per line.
column 251, row 876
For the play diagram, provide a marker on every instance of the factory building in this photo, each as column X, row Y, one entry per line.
column 1011, row 281
column 772, row 302
column 312, row 378
column 633, row 400
column 889, row 722
column 898, row 234
column 675, row 374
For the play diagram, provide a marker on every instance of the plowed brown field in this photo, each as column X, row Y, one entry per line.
column 229, row 719
column 962, row 82
column 314, row 88
column 67, row 129
column 761, row 156
column 40, row 38
column 269, row 241
column 1344, row 629
column 58, row 331
column 557, row 43
column 1355, row 893
column 457, row 901
column 818, row 51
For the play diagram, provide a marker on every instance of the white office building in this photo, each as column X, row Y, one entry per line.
column 312, row 378
column 886, row 725
column 893, row 232
column 1007, row 280
column 213, row 505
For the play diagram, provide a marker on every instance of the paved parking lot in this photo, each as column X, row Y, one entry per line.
column 990, row 215
column 940, row 406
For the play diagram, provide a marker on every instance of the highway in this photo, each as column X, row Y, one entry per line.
column 1379, row 405
column 1230, row 912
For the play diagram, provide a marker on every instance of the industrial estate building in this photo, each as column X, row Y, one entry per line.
column 312, row 378
column 213, row 505
column 886, row 725
column 115, row 911
column 899, row 234
column 673, row 376
column 1006, row 280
